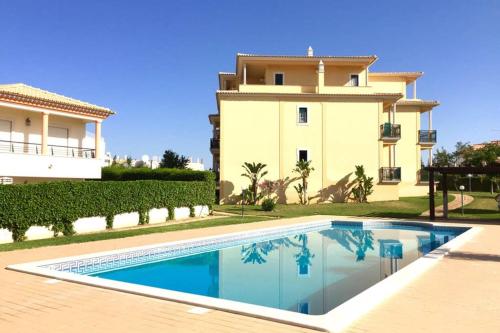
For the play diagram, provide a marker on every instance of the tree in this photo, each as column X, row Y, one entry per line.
column 363, row 185
column 304, row 169
column 442, row 158
column 173, row 160
column 254, row 172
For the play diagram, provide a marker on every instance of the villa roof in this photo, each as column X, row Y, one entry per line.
column 371, row 58
column 338, row 60
column 408, row 76
column 20, row 93
column 423, row 104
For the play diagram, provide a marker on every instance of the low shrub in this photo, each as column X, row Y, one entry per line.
column 122, row 174
column 268, row 204
column 59, row 204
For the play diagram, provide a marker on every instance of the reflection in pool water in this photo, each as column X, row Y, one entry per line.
column 309, row 272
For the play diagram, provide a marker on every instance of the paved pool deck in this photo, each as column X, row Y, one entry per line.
column 459, row 294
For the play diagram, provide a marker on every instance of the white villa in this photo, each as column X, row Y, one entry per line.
column 43, row 136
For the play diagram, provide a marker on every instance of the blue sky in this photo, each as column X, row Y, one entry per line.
column 156, row 62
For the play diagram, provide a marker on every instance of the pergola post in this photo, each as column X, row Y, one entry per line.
column 445, row 195
column 432, row 205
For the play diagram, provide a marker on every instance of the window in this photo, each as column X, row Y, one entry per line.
column 354, row 81
column 302, row 155
column 303, row 307
column 303, row 269
column 302, row 115
column 279, row 79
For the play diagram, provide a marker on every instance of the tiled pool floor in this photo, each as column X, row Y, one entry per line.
column 460, row 294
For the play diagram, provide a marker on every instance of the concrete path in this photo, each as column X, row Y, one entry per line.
column 456, row 203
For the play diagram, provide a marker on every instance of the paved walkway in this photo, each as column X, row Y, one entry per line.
column 456, row 203
column 459, row 294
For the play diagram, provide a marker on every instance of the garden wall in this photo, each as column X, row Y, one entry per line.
column 35, row 211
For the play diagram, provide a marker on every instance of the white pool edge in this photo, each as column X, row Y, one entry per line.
column 334, row 321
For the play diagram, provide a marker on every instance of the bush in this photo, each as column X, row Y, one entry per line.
column 59, row 204
column 268, row 204
column 120, row 173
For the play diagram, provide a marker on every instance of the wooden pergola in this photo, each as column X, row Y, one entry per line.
column 445, row 171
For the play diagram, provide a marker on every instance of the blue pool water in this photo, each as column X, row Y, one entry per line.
column 311, row 272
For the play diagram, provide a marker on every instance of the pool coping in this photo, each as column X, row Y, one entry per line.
column 333, row 321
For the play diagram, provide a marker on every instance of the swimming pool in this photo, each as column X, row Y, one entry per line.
column 306, row 274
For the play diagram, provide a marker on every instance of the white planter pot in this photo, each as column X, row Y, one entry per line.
column 5, row 236
column 201, row 211
column 158, row 215
column 37, row 232
column 126, row 220
column 181, row 213
column 89, row 224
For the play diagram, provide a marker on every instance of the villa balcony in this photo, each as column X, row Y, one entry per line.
column 24, row 159
column 390, row 133
column 390, row 175
column 214, row 144
column 16, row 147
column 427, row 137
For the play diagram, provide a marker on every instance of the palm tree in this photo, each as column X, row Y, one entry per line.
column 304, row 169
column 254, row 172
column 303, row 258
column 361, row 239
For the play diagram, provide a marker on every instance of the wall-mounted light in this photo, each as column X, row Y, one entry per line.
column 27, row 122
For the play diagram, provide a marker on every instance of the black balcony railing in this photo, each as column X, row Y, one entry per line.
column 214, row 143
column 390, row 131
column 18, row 147
column 390, row 174
column 427, row 136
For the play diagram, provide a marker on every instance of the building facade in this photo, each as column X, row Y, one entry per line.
column 331, row 110
column 43, row 136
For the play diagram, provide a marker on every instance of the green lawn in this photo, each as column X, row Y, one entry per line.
column 129, row 233
column 404, row 208
column 484, row 206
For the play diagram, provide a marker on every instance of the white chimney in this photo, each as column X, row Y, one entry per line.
column 321, row 67
column 310, row 52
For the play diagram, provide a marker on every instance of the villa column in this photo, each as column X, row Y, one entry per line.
column 415, row 89
column 245, row 74
column 321, row 77
column 97, row 139
column 394, row 113
column 430, row 128
column 45, row 133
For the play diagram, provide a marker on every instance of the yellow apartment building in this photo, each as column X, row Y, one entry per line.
column 331, row 110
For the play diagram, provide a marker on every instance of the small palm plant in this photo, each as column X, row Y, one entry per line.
column 254, row 172
column 363, row 185
column 304, row 169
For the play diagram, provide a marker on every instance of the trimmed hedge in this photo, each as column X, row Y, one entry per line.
column 59, row 204
column 120, row 173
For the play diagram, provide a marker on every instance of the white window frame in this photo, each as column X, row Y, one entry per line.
column 274, row 78
column 298, row 153
column 298, row 115
column 350, row 83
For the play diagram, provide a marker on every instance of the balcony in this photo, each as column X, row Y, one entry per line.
column 214, row 144
column 23, row 159
column 427, row 137
column 390, row 175
column 16, row 147
column 390, row 132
